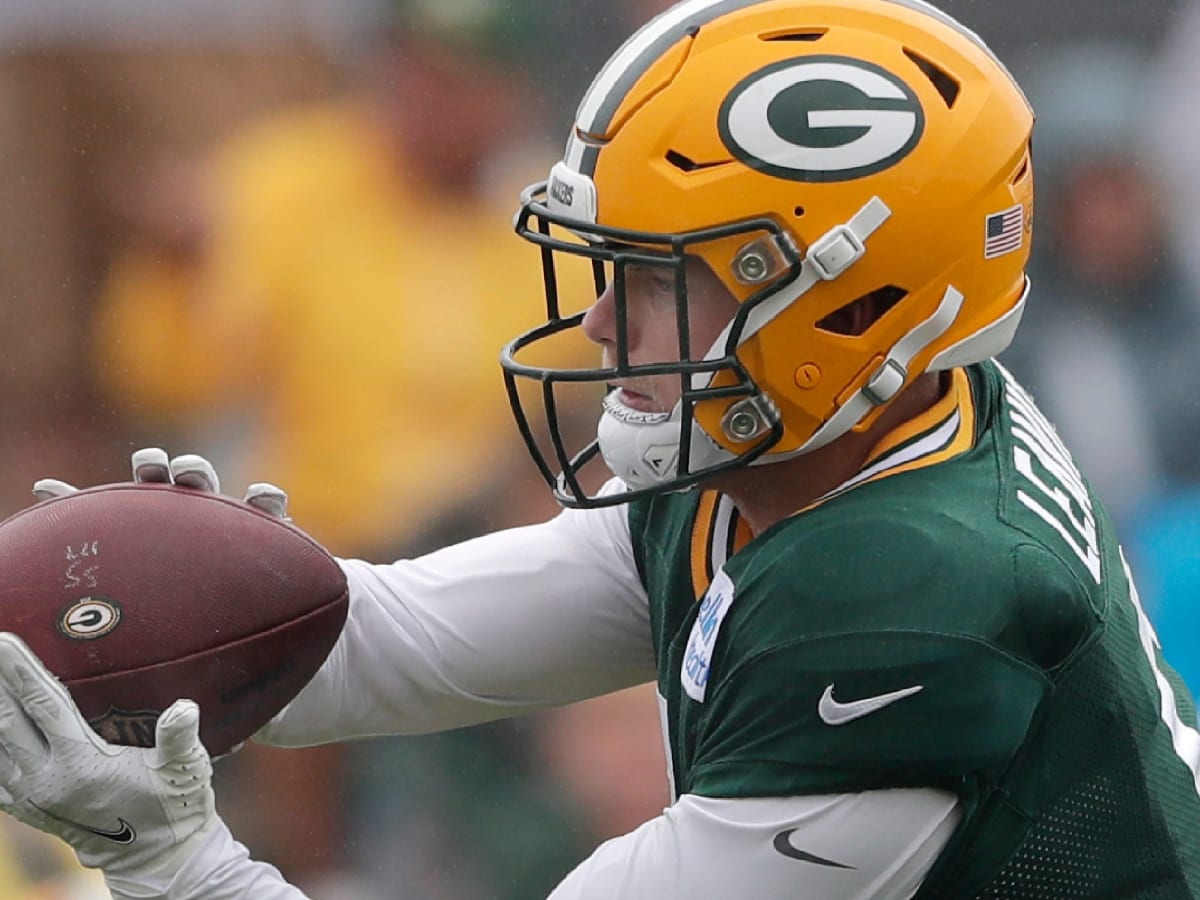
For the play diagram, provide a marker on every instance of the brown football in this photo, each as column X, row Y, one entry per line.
column 136, row 595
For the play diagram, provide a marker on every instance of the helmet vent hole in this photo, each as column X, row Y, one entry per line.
column 857, row 316
column 1022, row 171
column 799, row 212
column 687, row 164
column 945, row 83
column 809, row 35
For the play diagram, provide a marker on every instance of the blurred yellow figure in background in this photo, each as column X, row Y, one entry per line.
column 349, row 286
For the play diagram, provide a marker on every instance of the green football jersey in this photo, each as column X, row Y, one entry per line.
column 958, row 616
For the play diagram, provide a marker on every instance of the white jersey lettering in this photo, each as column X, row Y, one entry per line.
column 1069, row 511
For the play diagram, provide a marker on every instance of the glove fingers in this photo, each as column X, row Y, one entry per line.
column 10, row 775
column 49, row 488
column 269, row 498
column 177, row 734
column 25, row 747
column 39, row 695
column 191, row 470
column 150, row 466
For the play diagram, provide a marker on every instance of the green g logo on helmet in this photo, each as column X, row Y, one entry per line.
column 821, row 119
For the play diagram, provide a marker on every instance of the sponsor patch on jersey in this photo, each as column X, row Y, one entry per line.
column 697, row 659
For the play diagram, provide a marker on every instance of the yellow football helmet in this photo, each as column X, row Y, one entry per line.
column 812, row 153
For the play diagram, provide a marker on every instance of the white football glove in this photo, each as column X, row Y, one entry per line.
column 136, row 813
column 151, row 465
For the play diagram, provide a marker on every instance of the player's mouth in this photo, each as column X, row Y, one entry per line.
column 637, row 400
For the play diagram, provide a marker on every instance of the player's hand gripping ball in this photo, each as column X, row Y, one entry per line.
column 136, row 595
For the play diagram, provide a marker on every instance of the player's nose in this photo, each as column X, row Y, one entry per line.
column 600, row 321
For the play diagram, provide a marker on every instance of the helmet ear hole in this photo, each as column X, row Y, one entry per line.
column 857, row 316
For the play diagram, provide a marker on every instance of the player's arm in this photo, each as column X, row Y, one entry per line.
column 146, row 817
column 503, row 624
column 877, row 845
column 508, row 623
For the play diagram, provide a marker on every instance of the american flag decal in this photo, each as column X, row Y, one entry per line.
column 1005, row 232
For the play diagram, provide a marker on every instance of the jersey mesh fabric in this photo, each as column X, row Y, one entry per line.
column 1110, row 792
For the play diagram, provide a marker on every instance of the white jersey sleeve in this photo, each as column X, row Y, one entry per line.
column 504, row 624
column 877, row 845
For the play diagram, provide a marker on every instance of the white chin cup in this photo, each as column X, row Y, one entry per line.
column 642, row 449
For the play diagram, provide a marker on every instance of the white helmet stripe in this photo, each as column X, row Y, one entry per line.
column 581, row 157
column 637, row 54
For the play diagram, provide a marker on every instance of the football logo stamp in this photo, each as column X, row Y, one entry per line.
column 89, row 618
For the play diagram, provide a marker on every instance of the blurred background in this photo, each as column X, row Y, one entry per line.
column 276, row 232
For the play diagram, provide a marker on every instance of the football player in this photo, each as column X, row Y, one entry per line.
column 898, row 650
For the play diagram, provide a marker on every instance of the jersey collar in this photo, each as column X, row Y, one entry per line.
column 942, row 432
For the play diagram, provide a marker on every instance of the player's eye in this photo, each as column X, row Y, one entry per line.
column 664, row 283
column 653, row 279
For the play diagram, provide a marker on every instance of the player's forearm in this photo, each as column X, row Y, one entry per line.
column 877, row 845
column 508, row 623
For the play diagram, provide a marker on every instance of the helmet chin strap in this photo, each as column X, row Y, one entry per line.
column 984, row 343
column 889, row 377
column 828, row 257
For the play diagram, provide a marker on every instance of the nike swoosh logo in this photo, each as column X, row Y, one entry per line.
column 834, row 713
column 783, row 844
column 124, row 834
